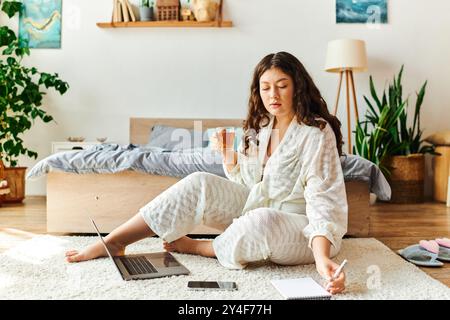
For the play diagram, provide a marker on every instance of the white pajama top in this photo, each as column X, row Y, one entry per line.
column 302, row 176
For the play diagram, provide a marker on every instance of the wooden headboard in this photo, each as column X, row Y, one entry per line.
column 140, row 127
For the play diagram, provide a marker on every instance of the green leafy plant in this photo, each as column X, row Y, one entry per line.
column 21, row 92
column 145, row 3
column 384, row 132
column 411, row 138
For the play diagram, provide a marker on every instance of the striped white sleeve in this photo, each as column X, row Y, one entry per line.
column 326, row 199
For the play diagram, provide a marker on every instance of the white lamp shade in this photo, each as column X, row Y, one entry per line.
column 346, row 54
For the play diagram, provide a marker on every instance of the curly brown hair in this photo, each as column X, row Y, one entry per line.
column 308, row 103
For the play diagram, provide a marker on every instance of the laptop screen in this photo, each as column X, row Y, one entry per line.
column 104, row 244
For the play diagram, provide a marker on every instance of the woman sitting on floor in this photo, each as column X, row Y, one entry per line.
column 284, row 199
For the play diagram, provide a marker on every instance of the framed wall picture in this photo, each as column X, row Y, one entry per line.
column 40, row 24
column 361, row 11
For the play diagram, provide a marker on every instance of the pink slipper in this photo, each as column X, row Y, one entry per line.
column 430, row 245
column 444, row 242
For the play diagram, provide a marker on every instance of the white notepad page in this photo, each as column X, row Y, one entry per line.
column 301, row 288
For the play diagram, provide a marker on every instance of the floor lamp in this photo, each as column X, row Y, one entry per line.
column 345, row 56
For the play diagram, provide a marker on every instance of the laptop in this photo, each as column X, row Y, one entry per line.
column 144, row 266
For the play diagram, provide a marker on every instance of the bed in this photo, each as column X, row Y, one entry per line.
column 112, row 198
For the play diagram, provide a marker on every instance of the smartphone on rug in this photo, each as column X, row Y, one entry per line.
column 214, row 285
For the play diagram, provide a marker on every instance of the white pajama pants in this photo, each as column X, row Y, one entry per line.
column 259, row 234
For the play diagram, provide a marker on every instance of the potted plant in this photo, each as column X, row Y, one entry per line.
column 21, row 93
column 146, row 11
column 385, row 138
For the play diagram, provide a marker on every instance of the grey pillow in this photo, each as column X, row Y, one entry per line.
column 173, row 138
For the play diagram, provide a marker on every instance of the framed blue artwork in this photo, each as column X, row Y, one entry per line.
column 361, row 11
column 40, row 24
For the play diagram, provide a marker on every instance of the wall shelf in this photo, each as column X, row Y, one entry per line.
column 165, row 24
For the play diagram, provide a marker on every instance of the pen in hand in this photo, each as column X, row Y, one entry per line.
column 337, row 272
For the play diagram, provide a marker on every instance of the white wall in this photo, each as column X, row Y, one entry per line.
column 115, row 74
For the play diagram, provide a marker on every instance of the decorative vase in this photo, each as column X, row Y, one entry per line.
column 204, row 10
column 407, row 178
column 146, row 13
column 16, row 182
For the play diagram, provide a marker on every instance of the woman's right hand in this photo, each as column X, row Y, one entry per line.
column 326, row 268
column 222, row 140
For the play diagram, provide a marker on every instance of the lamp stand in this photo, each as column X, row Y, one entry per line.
column 349, row 83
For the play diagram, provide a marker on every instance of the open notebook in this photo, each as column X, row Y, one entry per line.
column 301, row 289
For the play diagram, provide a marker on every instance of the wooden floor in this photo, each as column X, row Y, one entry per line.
column 397, row 226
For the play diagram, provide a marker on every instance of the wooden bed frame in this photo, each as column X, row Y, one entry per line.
column 113, row 198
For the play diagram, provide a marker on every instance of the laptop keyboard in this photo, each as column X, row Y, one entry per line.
column 138, row 265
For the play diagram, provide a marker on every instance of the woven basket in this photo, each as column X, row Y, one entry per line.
column 2, row 170
column 16, row 184
column 2, row 177
column 407, row 178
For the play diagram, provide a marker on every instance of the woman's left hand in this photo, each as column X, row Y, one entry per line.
column 326, row 268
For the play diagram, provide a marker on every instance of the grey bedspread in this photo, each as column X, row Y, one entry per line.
column 111, row 158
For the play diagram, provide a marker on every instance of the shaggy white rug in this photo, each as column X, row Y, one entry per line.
column 36, row 269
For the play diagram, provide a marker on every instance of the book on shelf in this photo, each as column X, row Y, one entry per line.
column 122, row 11
column 117, row 13
column 126, row 16
column 119, row 17
column 130, row 9
column 114, row 14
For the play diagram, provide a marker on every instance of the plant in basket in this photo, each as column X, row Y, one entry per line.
column 387, row 138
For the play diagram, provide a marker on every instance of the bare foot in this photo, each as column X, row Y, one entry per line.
column 93, row 251
column 188, row 245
